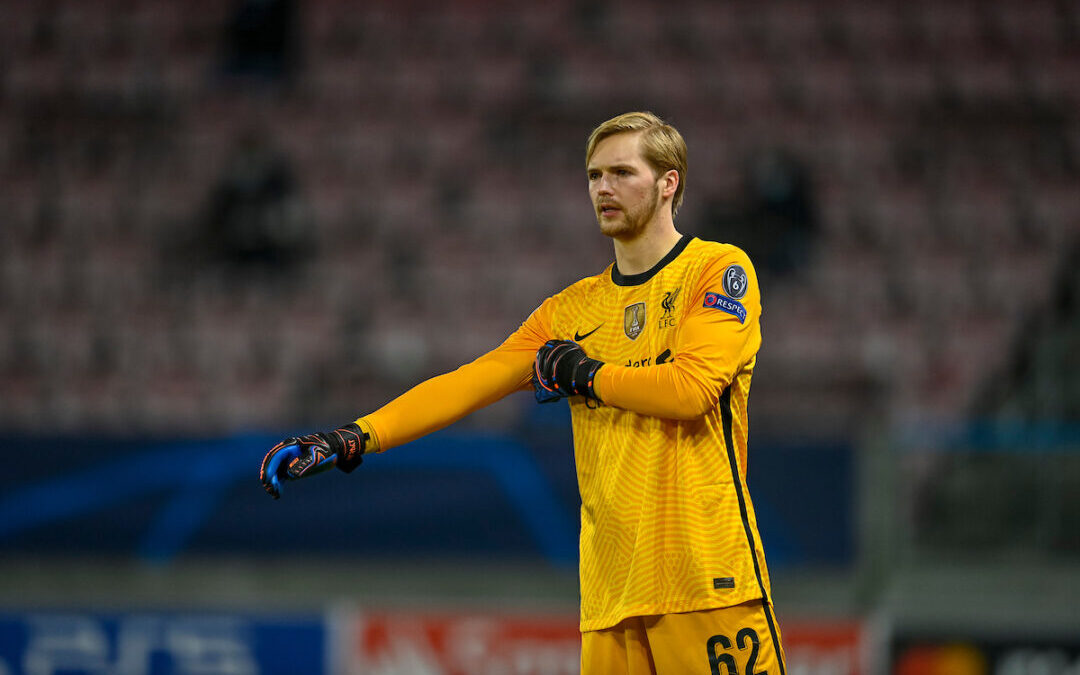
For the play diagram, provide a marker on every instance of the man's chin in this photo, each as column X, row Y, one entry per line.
column 612, row 233
column 618, row 229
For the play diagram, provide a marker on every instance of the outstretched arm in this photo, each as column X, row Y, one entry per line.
column 444, row 399
column 427, row 407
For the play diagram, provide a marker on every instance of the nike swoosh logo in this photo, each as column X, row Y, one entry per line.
column 578, row 336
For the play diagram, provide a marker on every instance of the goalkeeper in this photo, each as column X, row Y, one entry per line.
column 655, row 356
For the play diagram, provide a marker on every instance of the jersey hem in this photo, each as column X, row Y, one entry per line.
column 672, row 608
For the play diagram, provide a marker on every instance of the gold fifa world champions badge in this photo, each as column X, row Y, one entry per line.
column 634, row 320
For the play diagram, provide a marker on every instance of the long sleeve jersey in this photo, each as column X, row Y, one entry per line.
column 667, row 524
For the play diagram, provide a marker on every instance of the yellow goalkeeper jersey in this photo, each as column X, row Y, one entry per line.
column 667, row 524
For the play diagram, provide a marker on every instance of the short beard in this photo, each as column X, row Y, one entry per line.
column 633, row 222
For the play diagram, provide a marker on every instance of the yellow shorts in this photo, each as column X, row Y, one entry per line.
column 728, row 641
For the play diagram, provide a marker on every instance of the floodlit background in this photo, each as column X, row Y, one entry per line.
column 225, row 222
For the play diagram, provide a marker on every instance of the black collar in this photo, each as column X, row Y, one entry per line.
column 620, row 279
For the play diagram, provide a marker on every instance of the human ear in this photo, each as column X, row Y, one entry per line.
column 669, row 183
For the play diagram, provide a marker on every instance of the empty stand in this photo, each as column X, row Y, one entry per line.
column 437, row 149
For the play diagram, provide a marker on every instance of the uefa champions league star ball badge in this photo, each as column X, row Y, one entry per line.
column 735, row 281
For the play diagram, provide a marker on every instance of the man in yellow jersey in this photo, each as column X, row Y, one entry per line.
column 655, row 356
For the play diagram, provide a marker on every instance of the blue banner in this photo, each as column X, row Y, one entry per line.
column 91, row 643
column 451, row 494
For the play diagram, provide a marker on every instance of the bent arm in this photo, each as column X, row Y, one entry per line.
column 712, row 347
column 685, row 388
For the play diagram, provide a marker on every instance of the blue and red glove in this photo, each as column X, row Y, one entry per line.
column 562, row 369
column 303, row 456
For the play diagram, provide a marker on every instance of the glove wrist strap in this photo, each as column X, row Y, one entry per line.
column 348, row 443
column 588, row 386
column 585, row 377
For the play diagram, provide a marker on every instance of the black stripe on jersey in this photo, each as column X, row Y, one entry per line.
column 621, row 279
column 726, row 417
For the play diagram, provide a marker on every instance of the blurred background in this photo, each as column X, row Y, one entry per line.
column 225, row 222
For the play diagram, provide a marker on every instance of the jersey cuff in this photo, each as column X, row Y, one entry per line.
column 372, row 444
column 600, row 382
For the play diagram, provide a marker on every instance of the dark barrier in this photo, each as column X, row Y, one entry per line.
column 452, row 494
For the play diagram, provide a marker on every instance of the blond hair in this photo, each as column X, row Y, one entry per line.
column 662, row 145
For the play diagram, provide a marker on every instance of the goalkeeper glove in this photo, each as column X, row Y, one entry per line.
column 561, row 369
column 303, row 456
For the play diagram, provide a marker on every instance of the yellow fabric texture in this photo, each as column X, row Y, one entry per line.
column 666, row 524
column 744, row 637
